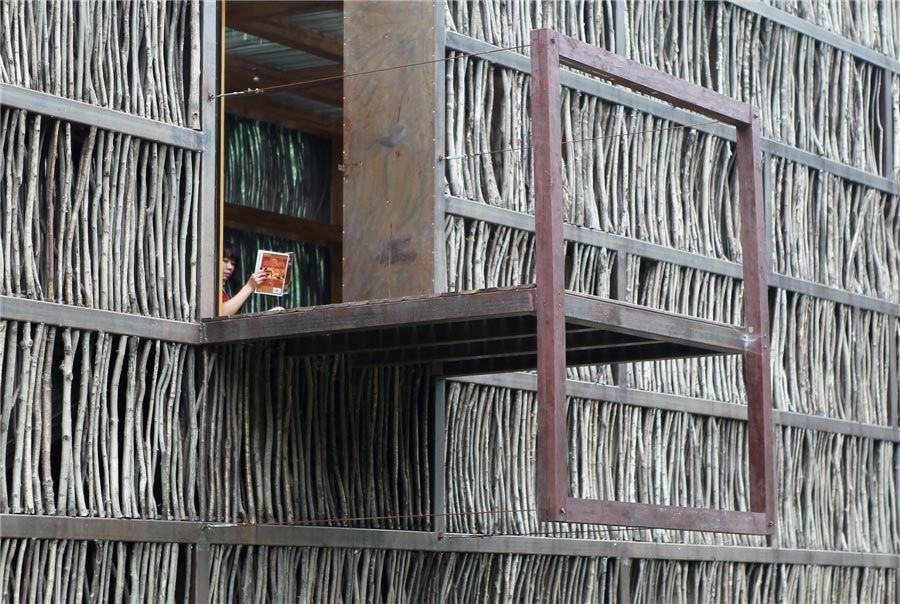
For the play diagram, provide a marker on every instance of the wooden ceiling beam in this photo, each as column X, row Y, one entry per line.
column 239, row 75
column 265, row 9
column 293, row 36
column 245, row 218
column 264, row 110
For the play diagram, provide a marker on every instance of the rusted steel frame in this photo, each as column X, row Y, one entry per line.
column 757, row 367
column 548, row 50
column 620, row 513
column 351, row 317
column 681, row 93
column 552, row 472
column 654, row 324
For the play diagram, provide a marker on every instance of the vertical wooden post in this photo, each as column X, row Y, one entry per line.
column 208, row 269
column 337, row 217
column 389, row 149
column 552, row 470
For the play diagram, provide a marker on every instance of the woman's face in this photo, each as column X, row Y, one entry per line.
column 227, row 268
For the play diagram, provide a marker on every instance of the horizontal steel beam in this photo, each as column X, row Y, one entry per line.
column 21, row 526
column 500, row 216
column 373, row 315
column 818, row 33
column 686, row 404
column 618, row 95
column 76, row 317
column 101, row 117
column 653, row 324
column 13, row 526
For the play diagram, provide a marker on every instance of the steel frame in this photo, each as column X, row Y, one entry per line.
column 204, row 534
column 550, row 50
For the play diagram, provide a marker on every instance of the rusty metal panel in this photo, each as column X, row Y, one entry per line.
column 389, row 148
column 621, row 513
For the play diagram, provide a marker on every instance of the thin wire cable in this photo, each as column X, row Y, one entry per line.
column 369, row 518
column 265, row 89
column 582, row 140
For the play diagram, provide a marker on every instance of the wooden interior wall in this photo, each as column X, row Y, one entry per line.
column 389, row 150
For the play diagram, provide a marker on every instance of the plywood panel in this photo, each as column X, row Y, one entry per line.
column 389, row 150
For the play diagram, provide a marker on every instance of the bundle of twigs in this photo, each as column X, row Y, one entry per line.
column 279, row 574
column 33, row 570
column 97, row 219
column 830, row 359
column 97, row 425
column 289, row 438
column 711, row 582
column 130, row 56
column 872, row 24
column 510, row 23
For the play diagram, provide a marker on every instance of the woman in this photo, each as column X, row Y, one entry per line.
column 232, row 303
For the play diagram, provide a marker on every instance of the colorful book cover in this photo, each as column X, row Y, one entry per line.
column 278, row 272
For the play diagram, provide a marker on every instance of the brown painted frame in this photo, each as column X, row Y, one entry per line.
column 549, row 49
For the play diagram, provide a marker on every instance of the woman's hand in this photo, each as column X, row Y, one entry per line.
column 256, row 279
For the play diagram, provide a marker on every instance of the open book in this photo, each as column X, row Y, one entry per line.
column 278, row 272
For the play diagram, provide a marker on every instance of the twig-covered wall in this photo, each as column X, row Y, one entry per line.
column 33, row 570
column 140, row 57
column 308, row 575
column 97, row 219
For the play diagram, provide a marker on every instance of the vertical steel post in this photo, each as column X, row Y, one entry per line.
column 552, row 471
column 439, row 457
column 756, row 319
column 209, row 279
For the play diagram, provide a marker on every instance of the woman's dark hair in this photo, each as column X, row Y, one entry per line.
column 232, row 251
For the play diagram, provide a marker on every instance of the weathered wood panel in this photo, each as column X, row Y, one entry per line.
column 389, row 150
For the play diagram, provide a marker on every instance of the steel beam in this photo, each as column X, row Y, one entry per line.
column 550, row 50
column 653, row 324
column 76, row 317
column 163, row 531
column 101, row 117
column 209, row 269
column 349, row 317
column 21, row 526
column 439, row 457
